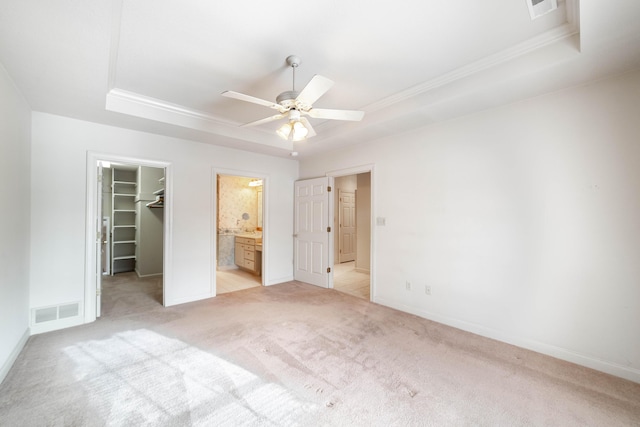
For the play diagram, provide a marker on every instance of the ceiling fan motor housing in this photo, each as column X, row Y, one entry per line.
column 287, row 99
column 294, row 115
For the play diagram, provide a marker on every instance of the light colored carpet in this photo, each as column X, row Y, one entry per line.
column 126, row 293
column 293, row 354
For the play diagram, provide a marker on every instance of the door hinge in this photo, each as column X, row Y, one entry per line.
column 328, row 229
column 98, row 292
column 329, row 189
column 328, row 269
column 99, row 178
column 98, row 235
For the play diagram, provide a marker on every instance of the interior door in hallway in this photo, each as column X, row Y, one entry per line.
column 311, row 232
column 347, row 226
column 99, row 240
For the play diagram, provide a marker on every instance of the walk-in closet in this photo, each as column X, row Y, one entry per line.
column 133, row 220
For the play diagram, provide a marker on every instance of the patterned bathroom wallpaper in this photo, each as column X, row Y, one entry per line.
column 236, row 198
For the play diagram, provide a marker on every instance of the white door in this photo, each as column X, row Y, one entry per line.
column 106, row 246
column 347, row 224
column 311, row 232
column 99, row 243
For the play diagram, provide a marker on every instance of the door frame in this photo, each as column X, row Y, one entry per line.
column 92, row 216
column 370, row 168
column 265, row 221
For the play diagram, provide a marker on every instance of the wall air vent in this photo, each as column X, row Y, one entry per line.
column 48, row 314
column 537, row 8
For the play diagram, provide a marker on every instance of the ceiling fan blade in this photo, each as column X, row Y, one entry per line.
column 253, row 99
column 306, row 123
column 265, row 120
column 317, row 87
column 352, row 115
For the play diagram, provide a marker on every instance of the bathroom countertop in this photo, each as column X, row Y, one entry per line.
column 251, row 235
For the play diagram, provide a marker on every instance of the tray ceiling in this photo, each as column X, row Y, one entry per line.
column 160, row 66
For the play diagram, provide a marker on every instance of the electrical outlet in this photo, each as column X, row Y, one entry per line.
column 408, row 285
column 427, row 289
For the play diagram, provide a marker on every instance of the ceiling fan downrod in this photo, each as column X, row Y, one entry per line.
column 287, row 98
column 294, row 61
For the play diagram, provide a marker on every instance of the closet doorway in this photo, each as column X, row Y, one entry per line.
column 131, row 207
column 239, row 232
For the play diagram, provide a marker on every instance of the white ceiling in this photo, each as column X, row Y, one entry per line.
column 160, row 66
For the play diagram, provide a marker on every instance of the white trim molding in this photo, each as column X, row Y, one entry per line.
column 617, row 370
column 6, row 367
column 91, row 216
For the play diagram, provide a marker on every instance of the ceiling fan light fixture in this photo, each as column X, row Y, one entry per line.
column 294, row 129
column 300, row 131
column 285, row 130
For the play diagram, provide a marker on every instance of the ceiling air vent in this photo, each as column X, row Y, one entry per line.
column 537, row 8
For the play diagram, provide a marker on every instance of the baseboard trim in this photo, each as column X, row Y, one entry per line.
column 539, row 347
column 148, row 275
column 279, row 280
column 227, row 267
column 6, row 366
column 54, row 325
column 184, row 300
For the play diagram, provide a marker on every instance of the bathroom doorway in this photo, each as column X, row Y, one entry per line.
column 239, row 229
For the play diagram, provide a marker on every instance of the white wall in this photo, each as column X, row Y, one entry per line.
column 15, row 131
column 524, row 220
column 149, row 222
column 59, row 161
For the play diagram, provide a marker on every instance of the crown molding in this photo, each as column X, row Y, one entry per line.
column 135, row 104
column 552, row 36
column 160, row 105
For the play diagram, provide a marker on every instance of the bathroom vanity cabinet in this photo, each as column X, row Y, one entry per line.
column 248, row 254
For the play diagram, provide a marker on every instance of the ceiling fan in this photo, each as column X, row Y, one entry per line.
column 294, row 105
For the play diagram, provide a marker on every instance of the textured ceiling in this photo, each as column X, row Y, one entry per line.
column 160, row 66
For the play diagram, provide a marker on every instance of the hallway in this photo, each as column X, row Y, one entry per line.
column 346, row 279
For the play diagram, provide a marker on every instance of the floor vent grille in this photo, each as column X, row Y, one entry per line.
column 62, row 311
